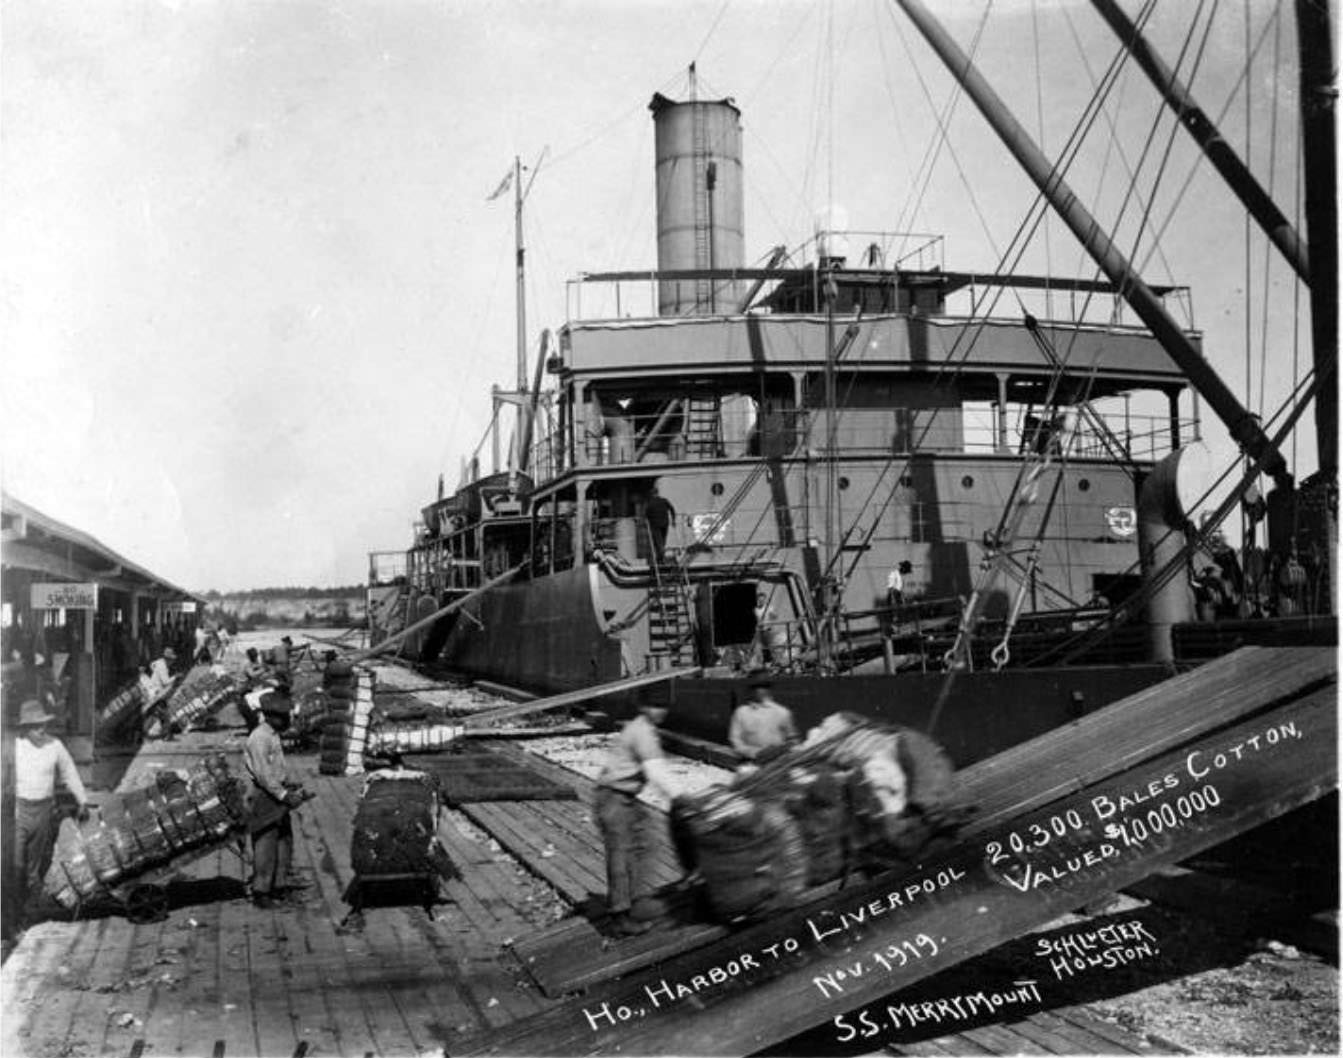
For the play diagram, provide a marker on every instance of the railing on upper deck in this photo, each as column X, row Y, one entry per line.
column 607, row 296
column 972, row 429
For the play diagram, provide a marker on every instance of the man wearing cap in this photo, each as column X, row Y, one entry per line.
column 273, row 795
column 39, row 757
column 279, row 663
column 635, row 758
column 761, row 728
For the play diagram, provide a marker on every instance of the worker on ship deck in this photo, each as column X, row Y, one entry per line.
column 770, row 646
column 39, row 759
column 761, row 728
column 659, row 514
column 634, row 759
column 273, row 797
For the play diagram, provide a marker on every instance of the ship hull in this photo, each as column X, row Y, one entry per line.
column 541, row 635
column 544, row 636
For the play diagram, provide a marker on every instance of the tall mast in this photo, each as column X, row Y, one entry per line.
column 1220, row 153
column 1244, row 427
column 1318, row 94
column 521, row 297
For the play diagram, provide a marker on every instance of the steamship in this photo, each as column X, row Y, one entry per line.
column 893, row 498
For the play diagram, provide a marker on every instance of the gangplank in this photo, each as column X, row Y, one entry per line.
column 1064, row 819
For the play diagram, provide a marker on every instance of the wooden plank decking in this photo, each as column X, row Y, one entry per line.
column 222, row 977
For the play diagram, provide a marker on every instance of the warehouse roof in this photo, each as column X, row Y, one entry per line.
column 35, row 541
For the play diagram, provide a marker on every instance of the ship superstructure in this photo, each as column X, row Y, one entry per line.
column 816, row 429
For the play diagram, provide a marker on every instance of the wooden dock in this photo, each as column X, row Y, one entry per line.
column 221, row 977
column 488, row 966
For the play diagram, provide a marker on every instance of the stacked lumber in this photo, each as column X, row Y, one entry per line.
column 395, row 827
column 145, row 829
column 857, row 792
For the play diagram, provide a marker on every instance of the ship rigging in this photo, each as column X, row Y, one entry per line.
column 819, row 425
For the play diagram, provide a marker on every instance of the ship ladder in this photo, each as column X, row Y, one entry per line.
column 702, row 428
column 671, row 629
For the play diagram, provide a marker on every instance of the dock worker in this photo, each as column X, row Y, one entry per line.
column 895, row 584
column 201, row 654
column 160, row 670
column 279, row 663
column 272, row 798
column 659, row 514
column 256, row 683
column 761, row 728
column 771, row 641
column 634, row 759
column 39, row 759
column 156, row 688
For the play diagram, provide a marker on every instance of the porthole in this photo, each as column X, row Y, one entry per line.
column 1084, row 485
column 967, row 482
column 843, row 483
column 716, row 488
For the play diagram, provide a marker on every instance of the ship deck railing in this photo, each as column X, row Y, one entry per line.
column 638, row 296
column 734, row 433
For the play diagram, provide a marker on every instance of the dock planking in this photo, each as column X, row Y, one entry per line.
column 406, row 985
column 282, row 981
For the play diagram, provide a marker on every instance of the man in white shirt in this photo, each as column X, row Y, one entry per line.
column 39, row 757
column 158, row 672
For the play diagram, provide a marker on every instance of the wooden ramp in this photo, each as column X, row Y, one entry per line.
column 1064, row 819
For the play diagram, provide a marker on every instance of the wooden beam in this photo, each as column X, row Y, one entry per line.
column 824, row 962
column 457, row 604
column 583, row 694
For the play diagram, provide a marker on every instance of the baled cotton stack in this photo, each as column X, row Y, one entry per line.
column 395, row 827
column 123, row 706
column 344, row 727
column 857, row 791
column 146, row 828
column 418, row 736
column 203, row 698
column 742, row 850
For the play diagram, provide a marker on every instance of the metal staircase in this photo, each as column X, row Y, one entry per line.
column 671, row 624
column 703, row 428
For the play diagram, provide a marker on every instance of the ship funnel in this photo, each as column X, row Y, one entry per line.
column 697, row 148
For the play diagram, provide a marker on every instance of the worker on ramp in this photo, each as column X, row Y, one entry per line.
column 635, row 759
column 761, row 728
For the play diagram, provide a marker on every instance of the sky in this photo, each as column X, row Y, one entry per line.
column 255, row 294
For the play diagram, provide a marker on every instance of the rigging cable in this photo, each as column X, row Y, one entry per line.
column 1023, row 234
column 1268, row 246
column 1299, row 400
column 1199, row 157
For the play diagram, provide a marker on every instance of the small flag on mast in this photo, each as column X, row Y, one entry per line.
column 504, row 185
